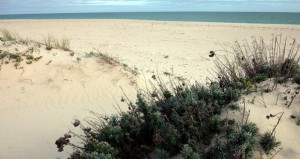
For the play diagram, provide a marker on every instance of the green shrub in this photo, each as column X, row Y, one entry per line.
column 182, row 121
column 188, row 153
column 289, row 67
column 244, row 140
column 219, row 151
column 161, row 154
column 260, row 77
column 296, row 78
column 268, row 142
column 269, row 71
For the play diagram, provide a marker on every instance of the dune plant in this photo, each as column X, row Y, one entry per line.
column 113, row 61
column 296, row 78
column 106, row 58
column 63, row 44
column 188, row 153
column 49, row 42
column 256, row 61
column 17, row 57
column 184, row 118
column 7, row 35
column 268, row 142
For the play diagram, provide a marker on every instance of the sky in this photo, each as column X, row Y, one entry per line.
column 78, row 6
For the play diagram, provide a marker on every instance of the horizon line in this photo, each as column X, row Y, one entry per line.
column 151, row 12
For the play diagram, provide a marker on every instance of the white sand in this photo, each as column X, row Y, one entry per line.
column 38, row 106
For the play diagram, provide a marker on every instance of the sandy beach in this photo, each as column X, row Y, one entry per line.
column 39, row 101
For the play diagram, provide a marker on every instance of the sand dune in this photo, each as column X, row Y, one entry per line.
column 39, row 102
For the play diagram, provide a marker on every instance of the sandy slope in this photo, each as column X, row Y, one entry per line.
column 38, row 104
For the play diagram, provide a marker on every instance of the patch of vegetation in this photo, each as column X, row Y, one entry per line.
column 17, row 57
column 52, row 42
column 7, row 35
column 185, row 120
column 268, row 142
column 63, row 44
column 181, row 118
column 112, row 61
column 106, row 58
column 49, row 40
column 297, row 77
column 257, row 61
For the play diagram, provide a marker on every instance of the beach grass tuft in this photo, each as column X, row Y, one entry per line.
column 7, row 35
column 63, row 44
column 268, row 142
column 49, row 40
column 52, row 42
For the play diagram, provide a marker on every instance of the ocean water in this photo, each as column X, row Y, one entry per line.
column 227, row 17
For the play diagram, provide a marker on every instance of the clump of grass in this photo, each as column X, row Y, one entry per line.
column 63, row 44
column 7, row 35
column 268, row 142
column 256, row 61
column 49, row 40
column 52, row 42
column 297, row 77
column 112, row 61
column 105, row 57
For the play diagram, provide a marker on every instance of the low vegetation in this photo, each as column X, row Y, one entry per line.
column 179, row 118
column 7, row 35
column 112, row 61
column 16, row 58
column 51, row 43
column 166, row 122
column 268, row 142
column 257, row 61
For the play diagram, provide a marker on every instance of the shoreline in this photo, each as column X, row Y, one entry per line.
column 157, row 21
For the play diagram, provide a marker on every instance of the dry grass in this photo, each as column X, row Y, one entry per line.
column 106, row 58
column 63, row 44
column 256, row 60
column 113, row 61
column 51, row 42
column 7, row 35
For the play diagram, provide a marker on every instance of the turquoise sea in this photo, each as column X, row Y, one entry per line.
column 228, row 17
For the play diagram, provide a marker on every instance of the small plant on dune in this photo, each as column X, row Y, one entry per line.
column 7, row 35
column 268, row 142
column 49, row 40
column 113, row 61
column 106, row 58
column 17, row 57
column 65, row 44
column 52, row 42
column 297, row 77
